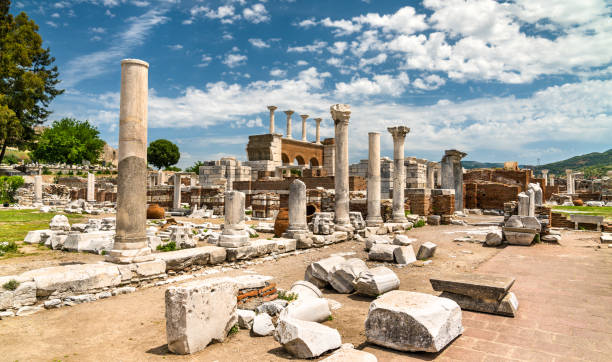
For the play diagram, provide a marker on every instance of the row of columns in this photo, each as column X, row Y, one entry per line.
column 304, row 117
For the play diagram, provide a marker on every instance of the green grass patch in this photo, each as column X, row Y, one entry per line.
column 233, row 330
column 604, row 211
column 419, row 223
column 171, row 246
column 289, row 297
column 11, row 285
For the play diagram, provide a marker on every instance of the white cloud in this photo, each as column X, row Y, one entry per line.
column 256, row 14
column 429, row 82
column 301, row 63
column 279, row 73
column 55, row 15
column 307, row 23
column 405, row 21
column 316, row 47
column 377, row 60
column 52, row 24
column 342, row 27
column 379, row 85
column 258, row 43
column 339, row 47
column 175, row 47
column 205, row 61
column 235, row 60
column 97, row 30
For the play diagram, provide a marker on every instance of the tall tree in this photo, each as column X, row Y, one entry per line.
column 163, row 153
column 28, row 78
column 69, row 141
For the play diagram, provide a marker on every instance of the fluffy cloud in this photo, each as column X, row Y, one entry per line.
column 258, row 43
column 256, row 14
column 316, row 47
column 235, row 60
column 379, row 85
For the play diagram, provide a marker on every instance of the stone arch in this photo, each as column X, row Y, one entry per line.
column 285, row 158
column 300, row 160
column 314, row 162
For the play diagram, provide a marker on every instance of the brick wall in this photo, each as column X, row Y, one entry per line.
column 489, row 195
column 443, row 204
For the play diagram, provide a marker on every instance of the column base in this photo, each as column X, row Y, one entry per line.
column 128, row 256
column 233, row 240
column 342, row 221
column 293, row 233
column 376, row 221
column 399, row 218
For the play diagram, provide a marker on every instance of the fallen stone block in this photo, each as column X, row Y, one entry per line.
column 311, row 309
column 304, row 290
column 433, row 220
column 408, row 321
column 606, row 238
column 93, row 242
column 181, row 259
column 233, row 241
column 376, row 239
column 198, row 313
column 37, row 236
column 426, row 250
column 309, row 277
column 344, row 275
column 272, row 308
column 23, row 295
column 262, row 325
column 304, row 339
column 519, row 236
column 323, row 268
column 348, row 353
column 507, row 306
column 403, row 240
column 480, row 286
column 252, row 281
column 245, row 318
column 59, row 222
column 285, row 245
column 404, row 255
column 494, row 238
column 53, row 303
column 551, row 238
column 29, row 310
column 382, row 252
column 376, row 281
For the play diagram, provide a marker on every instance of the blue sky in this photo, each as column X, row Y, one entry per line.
column 512, row 80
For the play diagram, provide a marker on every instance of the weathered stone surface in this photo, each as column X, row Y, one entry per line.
column 551, row 238
column 494, row 238
column 531, row 222
column 305, row 339
column 514, row 222
column 180, row 259
column 272, row 308
column 234, row 241
column 409, row 321
column 310, row 309
column 403, row 240
column 524, row 238
column 29, row 310
column 382, row 252
column 323, row 268
column 376, row 239
column 606, row 238
column 37, row 236
column 182, row 237
column 433, row 219
column 198, row 313
column 404, row 255
column 53, row 303
column 252, row 281
column 376, row 281
column 59, row 222
column 348, row 353
column 480, row 286
column 24, row 295
column 74, row 278
column 245, row 318
column 311, row 278
column 93, row 242
column 507, row 306
column 344, row 275
column 262, row 325
column 426, row 250
column 304, row 290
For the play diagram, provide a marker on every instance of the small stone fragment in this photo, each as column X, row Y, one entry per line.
column 305, row 339
column 426, row 250
column 404, row 255
column 245, row 318
column 262, row 325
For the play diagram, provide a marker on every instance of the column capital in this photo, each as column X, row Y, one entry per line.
column 398, row 132
column 454, row 153
column 340, row 113
column 289, row 113
column 318, row 120
column 304, row 116
column 272, row 108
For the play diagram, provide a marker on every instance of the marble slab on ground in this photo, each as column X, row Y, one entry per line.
column 508, row 306
column 480, row 286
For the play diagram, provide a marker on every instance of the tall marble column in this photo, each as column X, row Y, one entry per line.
column 341, row 114
column 318, row 120
column 304, row 118
column 176, row 201
column 91, row 187
column 431, row 172
column 452, row 175
column 297, row 208
column 545, row 177
column 374, row 218
column 272, row 109
column 130, row 237
column 399, row 172
column 288, row 113
column 569, row 181
column 38, row 194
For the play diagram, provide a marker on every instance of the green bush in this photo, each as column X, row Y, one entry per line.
column 45, row 170
column 10, row 159
column 11, row 285
column 419, row 223
column 59, row 173
column 233, row 330
column 248, row 212
column 287, row 296
column 8, row 188
column 171, row 246
column 70, row 173
column 107, row 172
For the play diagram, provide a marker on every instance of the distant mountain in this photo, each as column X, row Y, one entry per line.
column 476, row 164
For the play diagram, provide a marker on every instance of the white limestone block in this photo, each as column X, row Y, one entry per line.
column 304, row 339
column 403, row 240
column 426, row 250
column 376, row 281
column 404, row 255
column 382, row 252
column 262, row 325
column 344, row 275
column 494, row 238
column 245, row 318
column 310, row 309
column 348, row 353
column 59, row 222
column 304, row 290
column 376, row 239
column 323, row 268
column 74, row 278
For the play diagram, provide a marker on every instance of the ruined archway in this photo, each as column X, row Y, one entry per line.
column 300, row 160
column 285, row 159
column 314, row 162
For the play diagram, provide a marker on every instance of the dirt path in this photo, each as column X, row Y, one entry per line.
column 132, row 327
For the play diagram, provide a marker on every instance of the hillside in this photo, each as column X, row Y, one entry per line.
column 595, row 164
column 476, row 164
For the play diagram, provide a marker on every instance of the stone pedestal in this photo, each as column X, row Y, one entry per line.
column 318, row 120
column 297, row 208
column 272, row 109
column 91, row 187
column 38, row 194
column 341, row 114
column 176, row 201
column 452, row 175
column 399, row 172
column 304, row 118
column 131, row 238
column 234, row 233
column 289, row 113
column 374, row 218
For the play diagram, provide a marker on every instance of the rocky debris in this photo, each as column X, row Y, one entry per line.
column 344, row 275
column 376, row 239
column 458, row 222
column 323, row 223
column 29, row 310
column 433, row 220
column 23, row 295
column 309, row 277
column 93, row 242
column 323, row 268
column 478, row 292
column 305, row 290
column 123, row 290
column 37, row 236
column 347, row 352
column 182, row 236
column 404, row 255
column 426, row 250
column 409, row 321
column 521, row 230
column 245, row 318
column 382, row 252
column 262, row 325
column 494, row 238
column 59, row 222
column 357, row 220
column 551, row 238
column 272, row 308
column 376, row 281
column 181, row 259
column 7, row 314
column 200, row 312
column 311, row 309
column 403, row 240
column 304, row 339
column 53, row 303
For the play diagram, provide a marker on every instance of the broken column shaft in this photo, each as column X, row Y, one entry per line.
column 399, row 172
column 341, row 114
column 374, row 218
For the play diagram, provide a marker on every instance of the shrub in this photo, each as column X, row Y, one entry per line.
column 70, row 173
column 45, row 170
column 11, row 285
column 59, row 173
column 248, row 212
column 419, row 223
column 8, row 247
column 289, row 297
column 171, row 246
column 253, row 235
column 10, row 159
column 107, row 172
column 8, row 188
column 233, row 330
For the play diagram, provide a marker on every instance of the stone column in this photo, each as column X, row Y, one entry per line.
column 431, row 171
column 272, row 109
column 569, row 181
column 234, row 234
column 545, row 177
column 374, row 218
column 91, row 187
column 176, row 201
column 532, row 202
column 38, row 194
column 288, row 113
column 452, row 175
column 523, row 204
column 160, row 178
column 318, row 120
column 552, row 180
column 297, row 208
column 304, row 118
column 399, row 172
column 131, row 238
column 341, row 114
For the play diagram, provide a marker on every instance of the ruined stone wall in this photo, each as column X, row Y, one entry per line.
column 419, row 200
column 302, row 151
column 443, row 204
column 508, row 177
column 490, row 195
